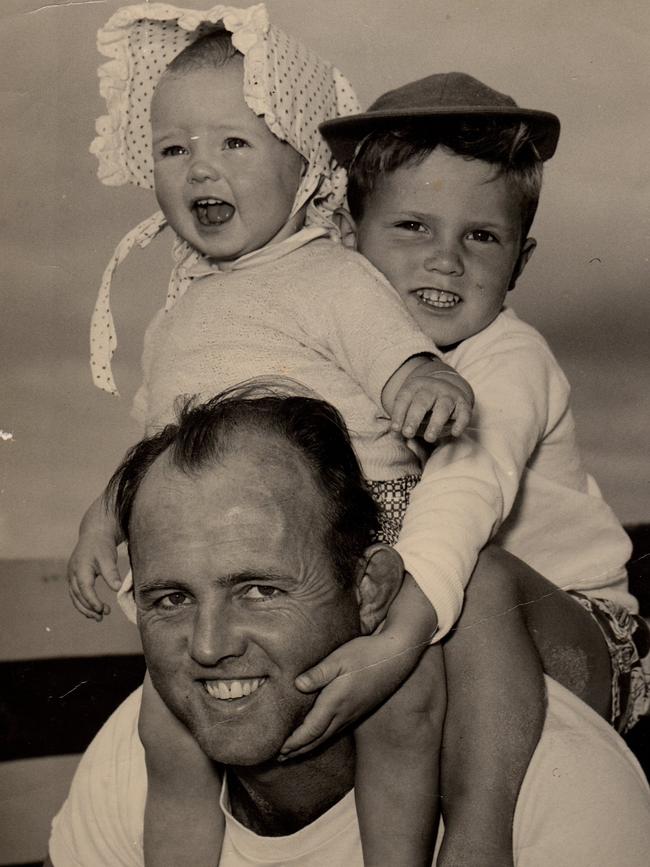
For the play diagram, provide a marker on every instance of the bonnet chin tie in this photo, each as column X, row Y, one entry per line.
column 103, row 339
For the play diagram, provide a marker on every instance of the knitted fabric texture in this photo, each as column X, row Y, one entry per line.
column 284, row 82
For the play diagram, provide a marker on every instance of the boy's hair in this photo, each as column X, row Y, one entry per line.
column 507, row 146
column 213, row 50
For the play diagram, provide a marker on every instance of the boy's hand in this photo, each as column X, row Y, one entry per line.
column 432, row 389
column 95, row 555
column 356, row 678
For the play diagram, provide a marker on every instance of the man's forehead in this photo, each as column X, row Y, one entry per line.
column 259, row 483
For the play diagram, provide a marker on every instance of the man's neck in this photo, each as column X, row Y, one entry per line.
column 280, row 798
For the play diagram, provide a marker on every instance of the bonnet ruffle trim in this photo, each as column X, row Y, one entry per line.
column 248, row 27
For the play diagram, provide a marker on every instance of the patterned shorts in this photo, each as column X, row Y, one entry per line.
column 628, row 640
column 392, row 497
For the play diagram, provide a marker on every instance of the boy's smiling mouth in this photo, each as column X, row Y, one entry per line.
column 210, row 211
column 440, row 299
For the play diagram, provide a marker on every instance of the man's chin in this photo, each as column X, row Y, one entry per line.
column 245, row 755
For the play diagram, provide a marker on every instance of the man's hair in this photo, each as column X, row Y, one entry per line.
column 206, row 432
column 211, row 51
column 507, row 146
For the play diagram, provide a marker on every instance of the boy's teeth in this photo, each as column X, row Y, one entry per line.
column 438, row 297
column 227, row 690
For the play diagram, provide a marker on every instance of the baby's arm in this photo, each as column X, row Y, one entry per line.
column 423, row 395
column 95, row 554
column 363, row 326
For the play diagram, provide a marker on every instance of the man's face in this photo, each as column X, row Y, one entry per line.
column 235, row 595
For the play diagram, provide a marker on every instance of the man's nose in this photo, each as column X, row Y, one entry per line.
column 444, row 258
column 217, row 634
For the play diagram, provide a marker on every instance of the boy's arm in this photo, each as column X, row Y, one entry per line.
column 469, row 486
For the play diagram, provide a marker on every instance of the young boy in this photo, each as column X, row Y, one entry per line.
column 444, row 179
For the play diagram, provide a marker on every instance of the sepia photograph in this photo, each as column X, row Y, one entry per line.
column 289, row 577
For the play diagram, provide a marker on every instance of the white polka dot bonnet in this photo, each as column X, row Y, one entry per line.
column 291, row 87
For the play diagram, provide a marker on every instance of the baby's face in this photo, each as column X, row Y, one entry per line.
column 447, row 235
column 225, row 183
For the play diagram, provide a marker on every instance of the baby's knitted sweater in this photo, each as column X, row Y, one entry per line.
column 321, row 315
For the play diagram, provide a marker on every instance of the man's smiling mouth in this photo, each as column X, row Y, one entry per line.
column 212, row 212
column 438, row 298
column 229, row 690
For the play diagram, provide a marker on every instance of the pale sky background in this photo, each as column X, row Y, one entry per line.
column 587, row 287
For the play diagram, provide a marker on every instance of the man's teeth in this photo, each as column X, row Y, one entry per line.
column 438, row 297
column 226, row 690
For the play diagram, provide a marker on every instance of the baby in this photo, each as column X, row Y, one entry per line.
column 244, row 178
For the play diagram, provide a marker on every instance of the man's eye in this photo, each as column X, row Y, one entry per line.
column 234, row 143
column 411, row 226
column 173, row 151
column 482, row 235
column 173, row 600
column 261, row 592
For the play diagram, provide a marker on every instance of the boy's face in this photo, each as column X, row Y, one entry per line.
column 225, row 183
column 447, row 234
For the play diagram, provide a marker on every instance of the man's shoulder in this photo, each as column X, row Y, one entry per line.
column 101, row 820
column 584, row 799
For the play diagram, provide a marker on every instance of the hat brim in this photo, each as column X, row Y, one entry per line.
column 344, row 133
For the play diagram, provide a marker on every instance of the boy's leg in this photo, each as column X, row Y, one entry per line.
column 515, row 625
column 183, row 823
column 397, row 770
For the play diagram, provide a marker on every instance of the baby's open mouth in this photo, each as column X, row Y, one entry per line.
column 438, row 298
column 212, row 212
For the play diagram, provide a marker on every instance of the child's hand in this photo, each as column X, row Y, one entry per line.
column 356, row 678
column 435, row 390
column 95, row 554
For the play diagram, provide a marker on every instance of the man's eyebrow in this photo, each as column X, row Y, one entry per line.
column 246, row 576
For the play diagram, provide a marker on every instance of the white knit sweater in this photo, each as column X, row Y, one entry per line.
column 321, row 315
column 517, row 477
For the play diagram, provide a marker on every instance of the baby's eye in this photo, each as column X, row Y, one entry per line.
column 411, row 226
column 173, row 151
column 483, row 236
column 173, row 600
column 233, row 143
column 261, row 592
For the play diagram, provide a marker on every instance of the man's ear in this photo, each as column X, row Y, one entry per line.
column 379, row 579
column 347, row 227
column 527, row 249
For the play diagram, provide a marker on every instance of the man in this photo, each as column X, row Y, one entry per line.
column 244, row 521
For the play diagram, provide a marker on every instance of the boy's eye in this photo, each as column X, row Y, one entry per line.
column 261, row 592
column 482, row 235
column 234, row 143
column 411, row 226
column 173, row 600
column 173, row 151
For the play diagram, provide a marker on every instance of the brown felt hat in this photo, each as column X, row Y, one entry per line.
column 438, row 97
